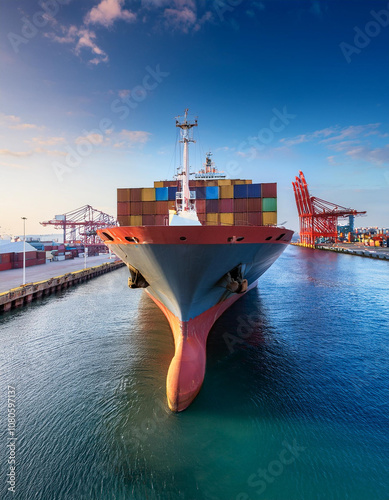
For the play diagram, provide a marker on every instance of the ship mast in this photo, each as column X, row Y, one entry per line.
column 186, row 138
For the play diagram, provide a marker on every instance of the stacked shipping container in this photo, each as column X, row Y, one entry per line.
column 218, row 202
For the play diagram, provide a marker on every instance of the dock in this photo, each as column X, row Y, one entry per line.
column 381, row 253
column 25, row 294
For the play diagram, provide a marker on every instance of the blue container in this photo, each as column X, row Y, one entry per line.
column 254, row 190
column 200, row 193
column 172, row 190
column 161, row 194
column 241, row 191
column 212, row 192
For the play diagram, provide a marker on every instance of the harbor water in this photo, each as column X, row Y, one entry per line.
column 294, row 406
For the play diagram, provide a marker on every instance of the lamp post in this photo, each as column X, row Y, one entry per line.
column 24, row 250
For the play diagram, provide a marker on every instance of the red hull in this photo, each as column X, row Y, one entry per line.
column 187, row 368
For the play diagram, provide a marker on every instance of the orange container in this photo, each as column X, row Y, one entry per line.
column 161, row 208
column 148, row 207
column 136, row 194
column 124, row 220
column 123, row 194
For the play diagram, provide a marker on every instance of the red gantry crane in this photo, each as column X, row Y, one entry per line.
column 318, row 218
column 79, row 226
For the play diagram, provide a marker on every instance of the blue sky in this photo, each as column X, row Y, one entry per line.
column 90, row 89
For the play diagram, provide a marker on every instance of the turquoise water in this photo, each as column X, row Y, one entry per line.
column 294, row 405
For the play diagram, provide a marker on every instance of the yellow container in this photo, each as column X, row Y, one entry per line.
column 212, row 219
column 224, row 182
column 227, row 219
column 158, row 184
column 238, row 181
column 377, row 243
column 123, row 194
column 135, row 220
column 269, row 218
column 148, row 194
column 226, row 191
column 248, row 181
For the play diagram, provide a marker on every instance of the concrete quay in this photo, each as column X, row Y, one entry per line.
column 46, row 284
column 381, row 253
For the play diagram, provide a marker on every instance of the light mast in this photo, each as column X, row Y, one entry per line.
column 183, row 198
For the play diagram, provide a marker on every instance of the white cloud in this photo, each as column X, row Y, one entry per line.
column 14, row 122
column 93, row 138
column 135, row 136
column 81, row 38
column 49, row 141
column 349, row 141
column 109, row 11
column 7, row 152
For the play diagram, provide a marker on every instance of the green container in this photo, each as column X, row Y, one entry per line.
column 269, row 204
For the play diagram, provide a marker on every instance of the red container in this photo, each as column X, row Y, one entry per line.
column 5, row 258
column 241, row 219
column 123, row 208
column 136, row 194
column 161, row 220
column 202, row 218
column 148, row 220
column 162, row 208
column 169, row 183
column 269, row 190
column 254, row 204
column 211, row 206
column 148, row 207
column 240, row 205
column 254, row 218
column 226, row 205
column 135, row 208
column 200, row 206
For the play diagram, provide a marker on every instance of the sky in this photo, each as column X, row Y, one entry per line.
column 90, row 89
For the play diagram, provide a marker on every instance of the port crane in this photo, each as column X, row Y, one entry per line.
column 79, row 225
column 318, row 218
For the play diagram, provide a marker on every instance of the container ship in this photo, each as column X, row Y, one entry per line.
column 195, row 246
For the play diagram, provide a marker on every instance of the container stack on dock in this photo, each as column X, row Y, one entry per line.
column 218, row 202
